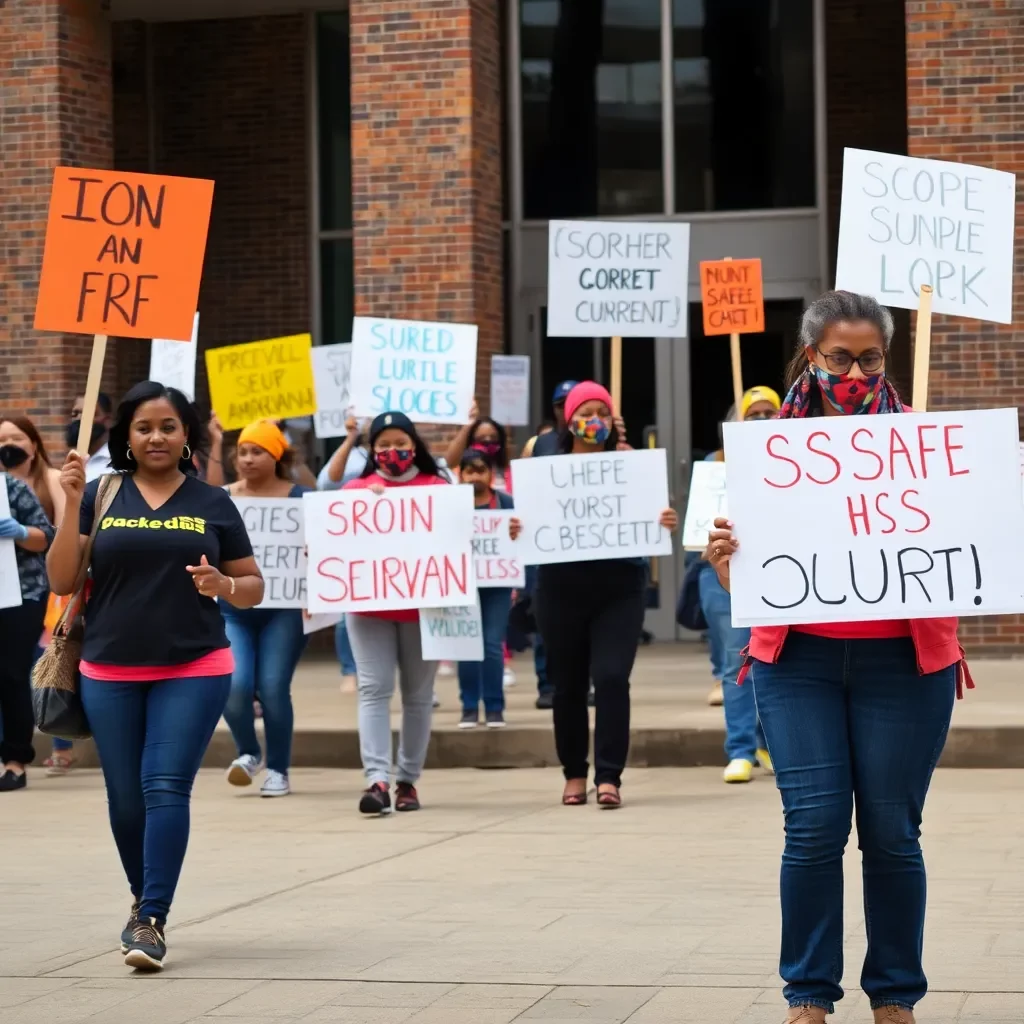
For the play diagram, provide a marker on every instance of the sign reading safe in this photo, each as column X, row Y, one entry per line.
column 858, row 518
column 276, row 531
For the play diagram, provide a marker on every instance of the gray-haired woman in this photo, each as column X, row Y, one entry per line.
column 850, row 709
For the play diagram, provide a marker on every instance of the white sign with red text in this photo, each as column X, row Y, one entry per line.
column 496, row 557
column 854, row 518
column 406, row 548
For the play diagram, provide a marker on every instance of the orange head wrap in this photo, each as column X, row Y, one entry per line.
column 267, row 436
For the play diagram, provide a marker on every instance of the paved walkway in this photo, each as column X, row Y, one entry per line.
column 492, row 905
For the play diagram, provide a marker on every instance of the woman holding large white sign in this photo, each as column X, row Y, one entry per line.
column 852, row 710
column 267, row 642
column 591, row 612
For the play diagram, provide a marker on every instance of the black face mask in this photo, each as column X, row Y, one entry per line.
column 71, row 433
column 11, row 456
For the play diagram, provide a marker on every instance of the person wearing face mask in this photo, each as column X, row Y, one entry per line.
column 389, row 641
column 856, row 714
column 267, row 642
column 590, row 615
column 488, row 437
column 98, row 461
column 481, row 681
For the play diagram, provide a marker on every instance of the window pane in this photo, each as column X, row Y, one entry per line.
column 743, row 73
column 335, row 127
column 591, row 85
column 336, row 288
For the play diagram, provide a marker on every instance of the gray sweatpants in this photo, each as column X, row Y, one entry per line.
column 381, row 646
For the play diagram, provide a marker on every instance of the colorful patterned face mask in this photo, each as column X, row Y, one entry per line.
column 592, row 429
column 849, row 395
column 490, row 448
column 395, row 461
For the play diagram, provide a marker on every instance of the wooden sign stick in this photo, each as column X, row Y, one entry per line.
column 92, row 394
column 922, row 349
column 735, row 358
column 617, row 375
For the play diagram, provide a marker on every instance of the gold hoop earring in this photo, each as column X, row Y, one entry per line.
column 186, row 452
column 130, row 455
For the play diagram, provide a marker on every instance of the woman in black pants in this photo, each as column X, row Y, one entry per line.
column 590, row 615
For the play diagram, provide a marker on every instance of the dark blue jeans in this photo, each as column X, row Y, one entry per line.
column 850, row 719
column 482, row 680
column 267, row 644
column 151, row 738
column 343, row 648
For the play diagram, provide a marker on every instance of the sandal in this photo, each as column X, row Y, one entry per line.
column 575, row 798
column 609, row 798
column 58, row 764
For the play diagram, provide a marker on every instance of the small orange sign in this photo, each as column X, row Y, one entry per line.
column 733, row 296
column 124, row 254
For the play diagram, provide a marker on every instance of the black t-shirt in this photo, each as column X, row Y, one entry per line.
column 547, row 444
column 144, row 608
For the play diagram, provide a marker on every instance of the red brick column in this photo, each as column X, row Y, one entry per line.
column 426, row 165
column 965, row 92
column 54, row 108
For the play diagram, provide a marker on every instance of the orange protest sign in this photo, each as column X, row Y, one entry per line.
column 124, row 254
column 732, row 294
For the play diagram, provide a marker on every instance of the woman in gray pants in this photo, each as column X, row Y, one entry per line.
column 385, row 641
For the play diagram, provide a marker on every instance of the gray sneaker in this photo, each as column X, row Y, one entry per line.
column 243, row 770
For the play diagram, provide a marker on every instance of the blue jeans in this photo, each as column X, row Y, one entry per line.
column 846, row 720
column 267, row 644
column 482, row 680
column 743, row 735
column 343, row 648
column 151, row 738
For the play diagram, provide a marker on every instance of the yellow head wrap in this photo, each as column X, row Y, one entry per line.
column 267, row 436
column 758, row 394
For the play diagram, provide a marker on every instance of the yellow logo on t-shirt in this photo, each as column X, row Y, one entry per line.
column 191, row 523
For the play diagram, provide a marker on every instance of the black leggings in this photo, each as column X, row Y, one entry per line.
column 20, row 629
column 590, row 615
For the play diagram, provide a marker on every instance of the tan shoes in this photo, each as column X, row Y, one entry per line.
column 806, row 1015
column 816, row 1015
column 893, row 1015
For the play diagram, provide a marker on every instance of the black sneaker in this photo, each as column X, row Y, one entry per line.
column 545, row 700
column 10, row 781
column 376, row 799
column 147, row 950
column 469, row 720
column 495, row 719
column 129, row 928
column 406, row 797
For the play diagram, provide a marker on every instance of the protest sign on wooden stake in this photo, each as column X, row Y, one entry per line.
column 922, row 349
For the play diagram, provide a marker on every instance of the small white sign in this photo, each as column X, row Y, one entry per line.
column 496, row 555
column 906, row 222
column 618, row 278
column 406, row 548
column 860, row 518
column 173, row 363
column 10, row 581
column 275, row 528
column 452, row 634
column 426, row 370
column 579, row 508
column 706, row 503
column 332, row 365
column 510, row 390
column 314, row 623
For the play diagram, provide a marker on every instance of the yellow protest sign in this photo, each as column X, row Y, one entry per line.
column 261, row 380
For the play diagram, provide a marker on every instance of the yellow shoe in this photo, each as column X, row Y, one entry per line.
column 738, row 770
column 715, row 698
column 764, row 759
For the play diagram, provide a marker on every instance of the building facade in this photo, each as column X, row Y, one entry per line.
column 403, row 157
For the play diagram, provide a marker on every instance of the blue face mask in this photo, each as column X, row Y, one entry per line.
column 592, row 429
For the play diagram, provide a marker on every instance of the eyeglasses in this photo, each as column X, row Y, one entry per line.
column 767, row 414
column 869, row 362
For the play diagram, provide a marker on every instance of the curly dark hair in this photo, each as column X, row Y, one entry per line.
column 148, row 391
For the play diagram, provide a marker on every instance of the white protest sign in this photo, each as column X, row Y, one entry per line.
column 331, row 368
column 275, row 528
column 906, row 222
column 173, row 363
column 705, row 504
column 10, row 581
column 1022, row 469
column 617, row 278
column 578, row 508
column 426, row 370
column 314, row 623
column 859, row 518
column 406, row 548
column 496, row 555
column 510, row 390
column 452, row 634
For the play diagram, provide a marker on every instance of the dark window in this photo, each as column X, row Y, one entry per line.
column 591, row 83
column 334, row 100
column 743, row 73
column 337, row 290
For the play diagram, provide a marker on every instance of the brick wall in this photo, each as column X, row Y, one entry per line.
column 426, row 174
column 54, row 108
column 965, row 70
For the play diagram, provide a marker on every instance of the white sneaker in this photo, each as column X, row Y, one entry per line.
column 446, row 668
column 275, row 784
column 243, row 770
column 509, row 678
column 435, row 700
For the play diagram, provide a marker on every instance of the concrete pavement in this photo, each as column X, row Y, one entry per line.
column 492, row 905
